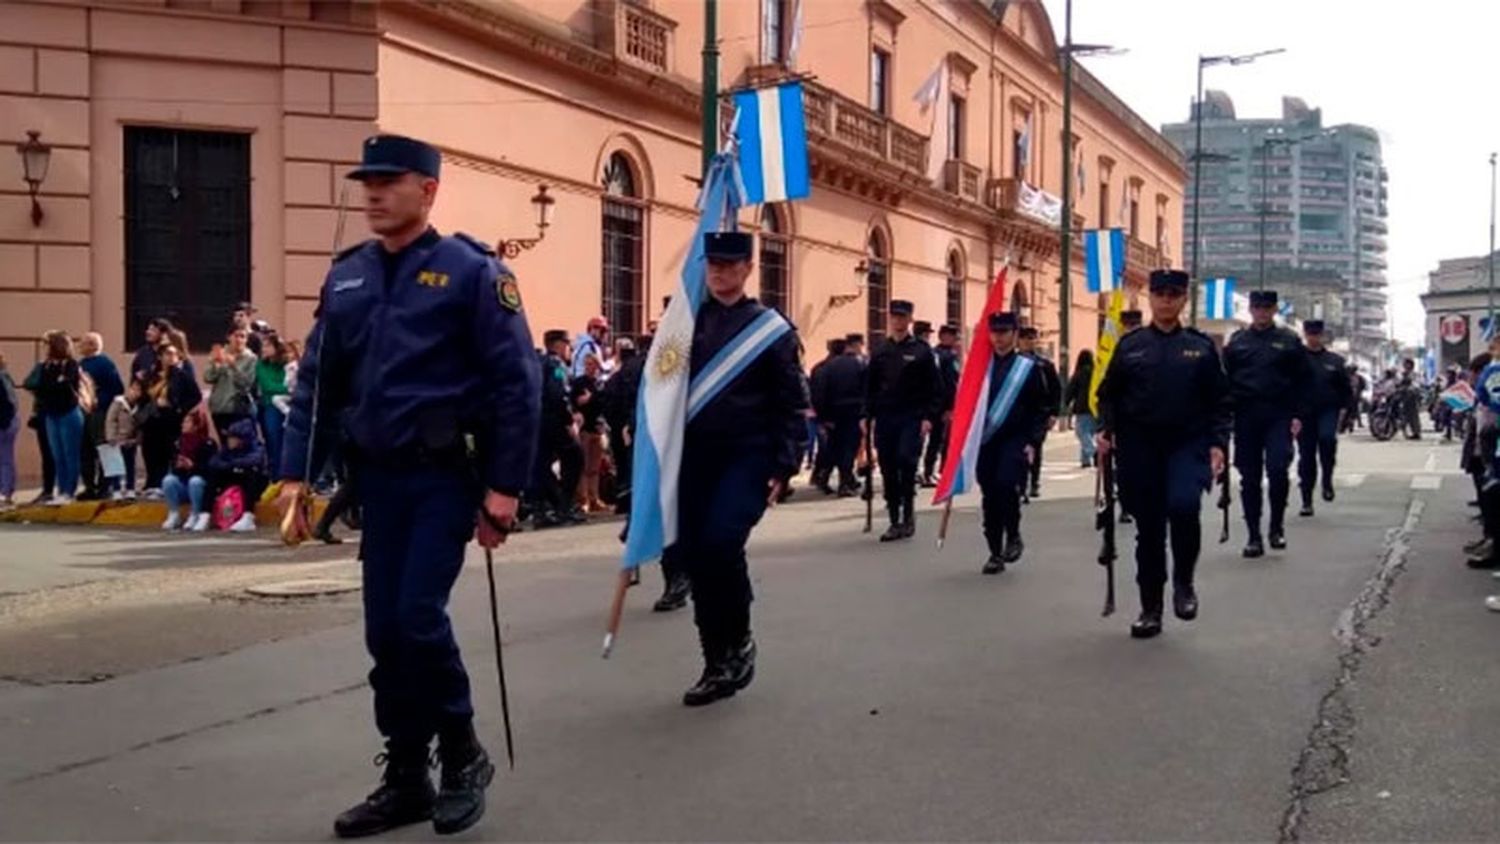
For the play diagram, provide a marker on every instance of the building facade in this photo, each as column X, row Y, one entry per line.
column 197, row 148
column 1458, row 302
column 1297, row 204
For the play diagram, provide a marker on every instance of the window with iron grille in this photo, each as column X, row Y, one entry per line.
column 775, row 249
column 877, row 290
column 624, row 231
column 187, row 230
column 955, row 290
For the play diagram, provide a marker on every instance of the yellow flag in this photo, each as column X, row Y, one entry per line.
column 1107, row 341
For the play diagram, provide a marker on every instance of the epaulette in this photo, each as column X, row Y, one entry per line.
column 351, row 250
column 476, row 245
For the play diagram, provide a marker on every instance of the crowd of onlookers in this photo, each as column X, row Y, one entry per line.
column 201, row 440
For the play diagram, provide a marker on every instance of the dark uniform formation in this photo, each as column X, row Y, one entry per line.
column 1165, row 420
column 1328, row 396
column 418, row 351
column 1052, row 400
column 948, row 369
column 902, row 400
column 1267, row 373
column 838, row 390
column 1015, row 420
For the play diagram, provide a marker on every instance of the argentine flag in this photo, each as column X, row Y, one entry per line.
column 1105, row 249
column 772, row 135
column 662, row 410
column 1218, row 298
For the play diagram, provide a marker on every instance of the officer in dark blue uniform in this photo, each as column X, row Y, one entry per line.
column 903, row 399
column 1053, row 400
column 1328, row 394
column 1129, row 321
column 1164, row 411
column 739, row 453
column 1266, row 367
column 946, row 352
column 1015, row 420
column 419, row 348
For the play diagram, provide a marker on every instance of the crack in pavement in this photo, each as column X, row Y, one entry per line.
column 171, row 738
column 1323, row 763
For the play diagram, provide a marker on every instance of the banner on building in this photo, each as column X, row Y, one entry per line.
column 1039, row 205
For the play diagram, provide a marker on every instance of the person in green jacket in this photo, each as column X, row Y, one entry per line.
column 270, row 383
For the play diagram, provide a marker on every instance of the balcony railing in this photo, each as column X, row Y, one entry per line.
column 962, row 179
column 638, row 35
column 1141, row 255
column 833, row 117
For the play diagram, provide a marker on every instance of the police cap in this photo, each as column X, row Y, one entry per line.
column 728, row 247
column 901, row 307
column 921, row 326
column 1312, row 326
column 1169, row 280
column 948, row 330
column 1130, row 318
column 1028, row 333
column 1002, row 321
column 1262, row 298
column 856, row 337
column 556, row 335
column 393, row 155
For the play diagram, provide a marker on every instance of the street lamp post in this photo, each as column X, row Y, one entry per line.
column 542, row 204
column 1206, row 61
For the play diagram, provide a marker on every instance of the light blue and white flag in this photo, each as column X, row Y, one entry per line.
column 662, row 409
column 772, row 134
column 1218, row 298
column 1105, row 249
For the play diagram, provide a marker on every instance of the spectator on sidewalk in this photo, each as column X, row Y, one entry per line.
column 122, row 431
column 60, row 397
column 172, row 395
column 270, row 384
column 588, row 406
column 107, row 387
column 144, row 365
column 620, row 393
column 231, row 378
column 255, row 329
column 590, row 342
column 241, row 464
column 189, row 476
column 1077, row 400
column 37, row 424
column 10, row 428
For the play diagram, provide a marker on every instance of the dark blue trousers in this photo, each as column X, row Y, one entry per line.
column 898, row 442
column 1263, row 447
column 721, row 497
column 1162, row 479
column 1002, row 470
column 843, row 445
column 1317, row 443
column 417, row 522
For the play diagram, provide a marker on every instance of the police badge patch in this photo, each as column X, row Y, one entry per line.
column 508, row 291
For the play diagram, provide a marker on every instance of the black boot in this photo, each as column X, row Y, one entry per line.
column 1014, row 548
column 1277, row 537
column 1147, row 626
column 674, row 595
column 405, row 796
column 1185, row 602
column 909, row 526
column 896, row 531
column 1327, row 489
column 1254, row 547
column 995, row 565
column 715, row 683
column 739, row 665
column 1307, row 503
column 467, row 772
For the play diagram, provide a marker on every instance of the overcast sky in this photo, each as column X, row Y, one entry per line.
column 1416, row 72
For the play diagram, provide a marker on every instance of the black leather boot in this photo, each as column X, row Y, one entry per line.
column 1014, row 548
column 739, row 665
column 467, row 772
column 1327, row 489
column 1277, row 537
column 994, row 565
column 715, row 683
column 1184, row 602
column 405, row 796
column 1307, row 503
column 1148, row 625
column 675, row 594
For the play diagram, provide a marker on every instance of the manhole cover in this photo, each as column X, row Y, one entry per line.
column 310, row 588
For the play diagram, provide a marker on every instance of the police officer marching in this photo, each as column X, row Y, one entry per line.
column 1052, row 401
column 946, row 352
column 1016, row 419
column 1266, row 367
column 1164, row 413
column 1328, row 395
column 902, row 400
column 419, row 345
column 739, row 452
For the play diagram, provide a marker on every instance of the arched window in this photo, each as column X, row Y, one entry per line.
column 775, row 254
column 624, row 227
column 877, row 287
column 955, row 289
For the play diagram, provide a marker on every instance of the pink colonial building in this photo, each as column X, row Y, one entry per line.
column 196, row 149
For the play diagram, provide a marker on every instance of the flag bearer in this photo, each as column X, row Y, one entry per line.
column 740, row 450
column 1016, row 419
column 1267, row 375
column 1327, row 395
column 419, row 345
column 1164, row 408
column 902, row 400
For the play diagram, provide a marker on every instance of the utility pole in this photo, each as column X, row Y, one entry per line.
column 1491, row 257
column 710, row 82
column 1066, row 292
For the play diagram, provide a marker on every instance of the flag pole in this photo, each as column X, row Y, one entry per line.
column 943, row 525
column 616, row 609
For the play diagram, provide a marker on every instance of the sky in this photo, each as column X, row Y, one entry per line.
column 1415, row 72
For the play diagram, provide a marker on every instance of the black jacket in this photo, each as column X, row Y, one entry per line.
column 1077, row 395
column 903, row 380
column 1051, row 381
column 1266, row 367
column 1166, row 385
column 947, row 363
column 838, row 388
column 620, row 393
column 1328, row 386
column 1030, row 414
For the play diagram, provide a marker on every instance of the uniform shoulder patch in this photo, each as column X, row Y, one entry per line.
column 507, row 290
column 473, row 243
column 344, row 253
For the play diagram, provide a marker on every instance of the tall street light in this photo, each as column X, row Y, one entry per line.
column 1207, row 61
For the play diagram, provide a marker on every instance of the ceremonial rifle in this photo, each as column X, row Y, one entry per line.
column 1224, row 497
column 1104, row 521
column 869, row 491
column 489, row 570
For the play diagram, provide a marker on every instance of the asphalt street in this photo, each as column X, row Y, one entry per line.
column 1344, row 689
